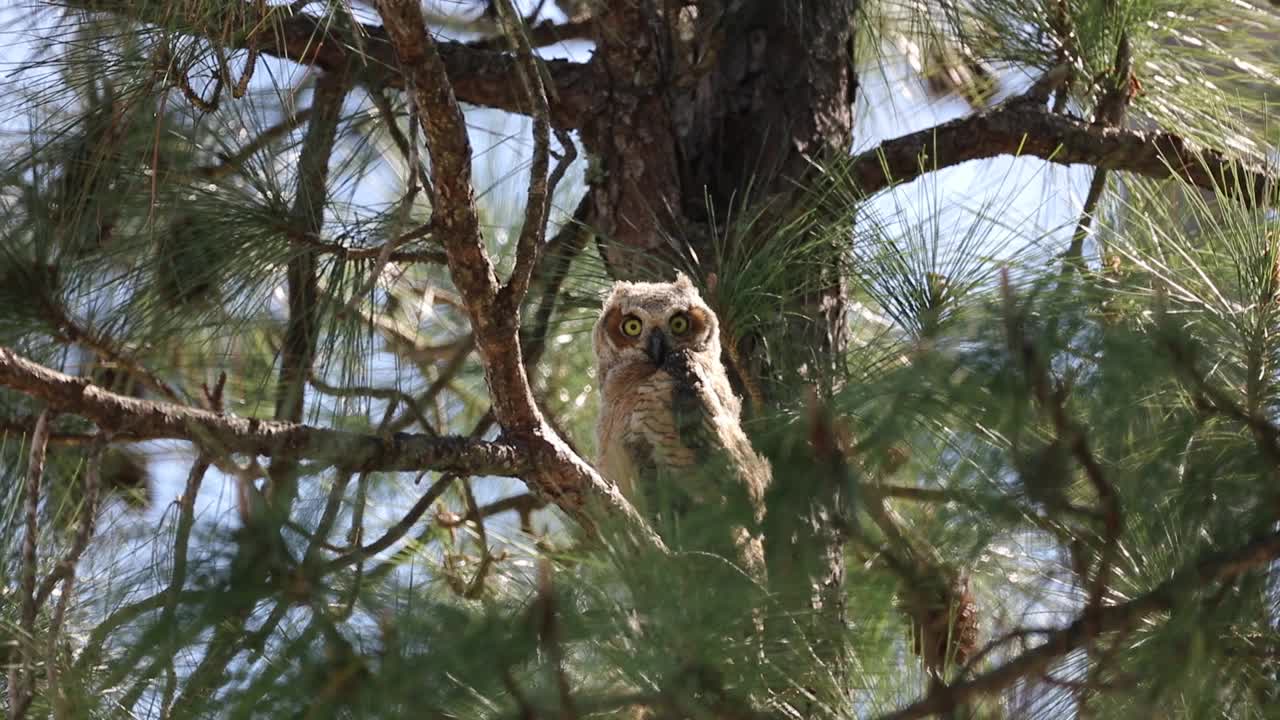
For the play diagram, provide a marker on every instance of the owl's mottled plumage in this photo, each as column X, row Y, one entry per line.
column 666, row 403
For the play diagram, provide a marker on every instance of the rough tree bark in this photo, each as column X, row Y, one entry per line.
column 703, row 107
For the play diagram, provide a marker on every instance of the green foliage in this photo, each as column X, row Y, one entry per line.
column 990, row 411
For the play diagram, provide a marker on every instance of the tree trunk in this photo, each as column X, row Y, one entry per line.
column 709, row 109
column 712, row 108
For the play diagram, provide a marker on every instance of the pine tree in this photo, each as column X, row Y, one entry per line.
column 296, row 388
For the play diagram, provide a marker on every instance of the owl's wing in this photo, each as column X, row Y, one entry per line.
column 668, row 458
column 722, row 449
column 654, row 487
column 692, row 410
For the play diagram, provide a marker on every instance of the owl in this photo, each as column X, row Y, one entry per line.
column 666, row 405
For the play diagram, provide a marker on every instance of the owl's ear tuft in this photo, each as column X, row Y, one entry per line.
column 618, row 287
column 683, row 281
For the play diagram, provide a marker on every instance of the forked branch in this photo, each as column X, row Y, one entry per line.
column 555, row 470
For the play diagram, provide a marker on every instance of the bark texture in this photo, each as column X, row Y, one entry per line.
column 131, row 419
column 705, row 103
column 703, row 109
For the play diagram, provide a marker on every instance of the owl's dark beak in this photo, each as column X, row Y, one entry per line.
column 657, row 347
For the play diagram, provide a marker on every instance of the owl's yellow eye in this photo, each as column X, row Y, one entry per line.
column 631, row 326
column 679, row 324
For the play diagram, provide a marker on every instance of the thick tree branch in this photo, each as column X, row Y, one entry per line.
column 479, row 77
column 543, row 34
column 1213, row 568
column 148, row 420
column 1018, row 128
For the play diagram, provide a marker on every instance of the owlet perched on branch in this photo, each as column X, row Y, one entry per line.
column 669, row 433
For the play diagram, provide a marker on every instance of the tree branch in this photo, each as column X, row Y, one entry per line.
column 397, row 531
column 149, row 420
column 538, row 197
column 305, row 225
column 479, row 77
column 236, row 160
column 22, row 672
column 65, row 572
column 1020, row 128
column 1216, row 567
column 543, row 34
column 553, row 268
column 302, row 332
column 556, row 472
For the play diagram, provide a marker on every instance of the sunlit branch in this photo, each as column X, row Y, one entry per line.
column 1020, row 128
column 150, row 420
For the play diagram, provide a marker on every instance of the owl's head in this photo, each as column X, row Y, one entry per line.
column 642, row 322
